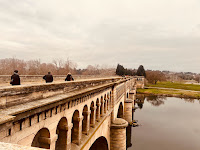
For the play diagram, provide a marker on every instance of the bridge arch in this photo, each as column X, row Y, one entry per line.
column 61, row 131
column 42, row 139
column 102, row 107
column 85, row 121
column 92, row 114
column 76, row 129
column 120, row 113
column 100, row 144
column 105, row 103
column 110, row 97
column 98, row 105
column 108, row 100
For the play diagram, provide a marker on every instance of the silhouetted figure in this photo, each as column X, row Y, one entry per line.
column 15, row 79
column 69, row 77
column 48, row 78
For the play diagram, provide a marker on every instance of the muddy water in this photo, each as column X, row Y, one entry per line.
column 165, row 124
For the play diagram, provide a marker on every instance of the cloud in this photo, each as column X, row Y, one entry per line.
column 129, row 32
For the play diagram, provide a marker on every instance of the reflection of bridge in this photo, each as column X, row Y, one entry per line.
column 68, row 115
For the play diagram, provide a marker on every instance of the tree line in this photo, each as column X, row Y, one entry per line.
column 63, row 67
column 151, row 76
column 121, row 71
column 56, row 67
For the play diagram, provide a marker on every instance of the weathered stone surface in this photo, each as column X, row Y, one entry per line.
column 119, row 123
column 6, row 118
column 46, row 110
column 27, row 79
column 118, row 134
column 8, row 146
column 14, row 95
column 128, row 101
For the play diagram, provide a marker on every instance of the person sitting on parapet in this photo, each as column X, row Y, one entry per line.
column 48, row 78
column 15, row 79
column 69, row 77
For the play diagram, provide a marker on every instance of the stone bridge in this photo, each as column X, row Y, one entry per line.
column 77, row 115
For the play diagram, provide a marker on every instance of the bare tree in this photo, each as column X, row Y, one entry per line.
column 57, row 67
column 155, row 76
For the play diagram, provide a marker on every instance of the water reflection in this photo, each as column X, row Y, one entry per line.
column 128, row 136
column 156, row 100
column 140, row 100
column 173, row 125
column 129, row 131
column 190, row 100
column 152, row 99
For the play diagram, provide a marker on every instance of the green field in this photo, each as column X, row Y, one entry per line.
column 176, row 86
column 170, row 92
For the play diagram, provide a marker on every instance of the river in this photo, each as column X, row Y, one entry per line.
column 165, row 123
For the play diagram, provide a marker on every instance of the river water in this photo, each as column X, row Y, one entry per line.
column 165, row 123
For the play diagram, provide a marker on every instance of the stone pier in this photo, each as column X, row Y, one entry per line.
column 118, row 134
column 128, row 105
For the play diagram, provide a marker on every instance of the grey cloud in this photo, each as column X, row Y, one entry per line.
column 158, row 34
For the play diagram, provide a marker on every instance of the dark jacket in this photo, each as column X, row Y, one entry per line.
column 48, row 78
column 69, row 78
column 15, row 79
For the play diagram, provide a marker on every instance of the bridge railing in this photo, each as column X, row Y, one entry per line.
column 5, row 79
column 14, row 95
column 139, row 81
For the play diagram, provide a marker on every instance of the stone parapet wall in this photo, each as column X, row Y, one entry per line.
column 13, row 95
column 139, row 81
column 9, row 146
column 39, row 78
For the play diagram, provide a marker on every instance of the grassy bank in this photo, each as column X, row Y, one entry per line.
column 170, row 92
column 176, row 86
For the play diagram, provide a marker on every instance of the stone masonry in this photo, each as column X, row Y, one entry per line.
column 75, row 115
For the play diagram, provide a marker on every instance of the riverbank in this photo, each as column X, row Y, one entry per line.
column 170, row 92
column 176, row 85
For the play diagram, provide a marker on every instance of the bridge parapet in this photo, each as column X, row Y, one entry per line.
column 139, row 81
column 9, row 146
column 15, row 101
column 15, row 95
column 5, row 79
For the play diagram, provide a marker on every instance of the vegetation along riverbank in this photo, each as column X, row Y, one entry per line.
column 176, row 85
column 172, row 89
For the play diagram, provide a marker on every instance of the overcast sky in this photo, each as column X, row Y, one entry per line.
column 159, row 34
